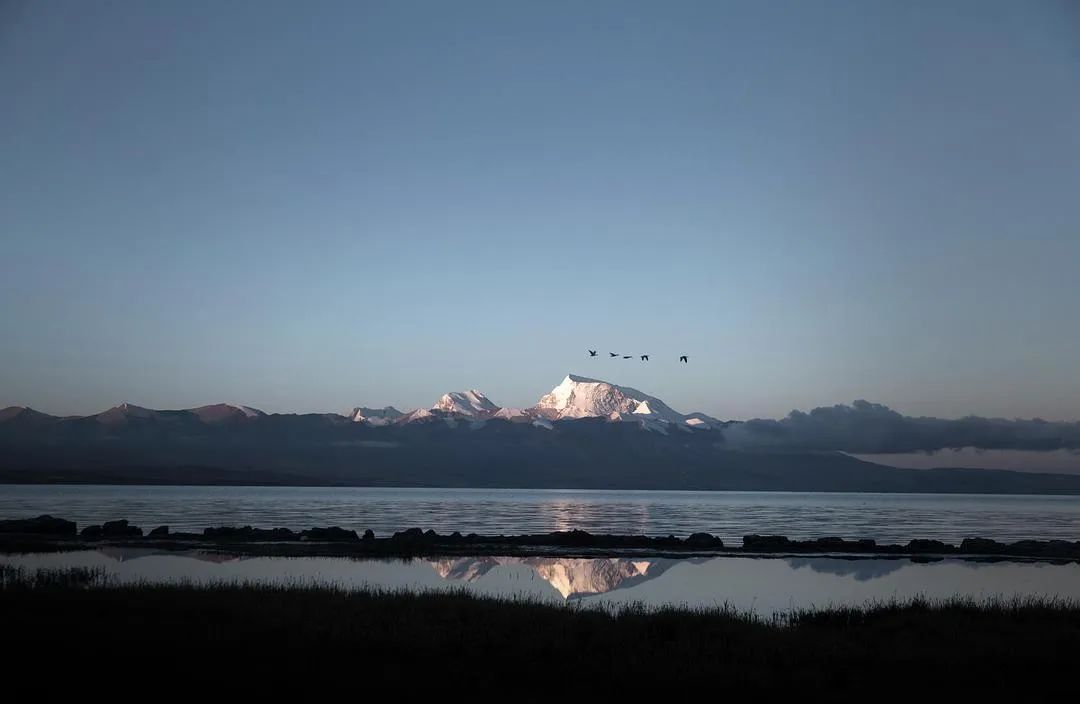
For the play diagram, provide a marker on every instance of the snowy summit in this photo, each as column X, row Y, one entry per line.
column 467, row 403
column 581, row 397
column 375, row 416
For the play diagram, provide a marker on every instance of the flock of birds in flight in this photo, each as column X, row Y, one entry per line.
column 644, row 357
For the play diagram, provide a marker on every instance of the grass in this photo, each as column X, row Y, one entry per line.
column 394, row 637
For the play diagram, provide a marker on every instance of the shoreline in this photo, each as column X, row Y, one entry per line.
column 49, row 534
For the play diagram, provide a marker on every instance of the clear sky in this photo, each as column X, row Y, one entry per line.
column 310, row 206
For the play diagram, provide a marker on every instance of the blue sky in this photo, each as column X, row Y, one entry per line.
column 310, row 206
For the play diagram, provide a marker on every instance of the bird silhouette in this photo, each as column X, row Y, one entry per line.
column 613, row 354
column 592, row 353
column 628, row 356
column 683, row 358
column 644, row 358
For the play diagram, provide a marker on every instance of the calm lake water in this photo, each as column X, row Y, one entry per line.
column 764, row 585
column 730, row 515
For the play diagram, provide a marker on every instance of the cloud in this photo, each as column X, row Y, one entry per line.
column 865, row 427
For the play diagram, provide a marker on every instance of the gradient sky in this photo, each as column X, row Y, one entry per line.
column 310, row 206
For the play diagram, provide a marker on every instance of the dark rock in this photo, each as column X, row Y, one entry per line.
column 1044, row 548
column 412, row 535
column 42, row 525
column 91, row 532
column 330, row 534
column 704, row 540
column 159, row 532
column 766, row 543
column 277, row 534
column 573, row 538
column 120, row 529
column 247, row 533
column 922, row 545
column 833, row 544
column 983, row 546
column 228, row 532
column 1063, row 548
column 369, row 535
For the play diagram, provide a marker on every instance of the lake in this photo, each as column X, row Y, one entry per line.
column 763, row 585
column 730, row 515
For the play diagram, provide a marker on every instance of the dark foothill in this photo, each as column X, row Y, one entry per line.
column 330, row 534
column 42, row 525
column 91, row 532
column 159, row 532
column 369, row 534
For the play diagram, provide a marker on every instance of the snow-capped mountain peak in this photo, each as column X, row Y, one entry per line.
column 469, row 403
column 248, row 411
column 581, row 397
column 375, row 416
column 420, row 414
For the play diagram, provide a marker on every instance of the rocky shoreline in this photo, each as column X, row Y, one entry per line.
column 49, row 534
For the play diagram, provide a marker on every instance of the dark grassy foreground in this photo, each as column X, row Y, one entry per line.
column 459, row 641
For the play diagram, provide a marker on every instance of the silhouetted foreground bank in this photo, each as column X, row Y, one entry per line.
column 455, row 640
column 47, row 533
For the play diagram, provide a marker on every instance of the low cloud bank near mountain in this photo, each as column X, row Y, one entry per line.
column 870, row 428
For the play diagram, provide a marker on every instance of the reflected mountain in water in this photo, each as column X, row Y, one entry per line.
column 126, row 554
column 573, row 578
column 862, row 570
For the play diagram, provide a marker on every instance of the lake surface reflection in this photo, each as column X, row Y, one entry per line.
column 765, row 585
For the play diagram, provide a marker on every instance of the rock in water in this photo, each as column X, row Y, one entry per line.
column 42, row 525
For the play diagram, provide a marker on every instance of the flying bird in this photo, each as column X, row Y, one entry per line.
column 613, row 354
column 628, row 356
column 682, row 358
column 592, row 353
column 644, row 358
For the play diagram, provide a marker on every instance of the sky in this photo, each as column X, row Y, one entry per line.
column 312, row 206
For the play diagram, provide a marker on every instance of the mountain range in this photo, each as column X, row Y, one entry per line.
column 584, row 433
